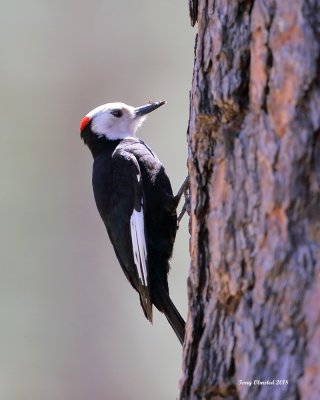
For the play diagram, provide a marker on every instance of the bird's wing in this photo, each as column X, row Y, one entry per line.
column 126, row 219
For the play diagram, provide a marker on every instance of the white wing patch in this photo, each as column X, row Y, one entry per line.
column 139, row 244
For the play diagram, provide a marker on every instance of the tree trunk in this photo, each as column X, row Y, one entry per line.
column 254, row 164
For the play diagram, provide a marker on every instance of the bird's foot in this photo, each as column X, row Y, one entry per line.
column 181, row 191
column 186, row 206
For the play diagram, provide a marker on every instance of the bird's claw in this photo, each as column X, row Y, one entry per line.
column 186, row 206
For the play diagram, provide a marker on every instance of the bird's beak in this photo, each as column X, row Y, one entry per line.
column 143, row 110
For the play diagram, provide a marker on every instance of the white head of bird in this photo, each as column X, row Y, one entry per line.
column 118, row 120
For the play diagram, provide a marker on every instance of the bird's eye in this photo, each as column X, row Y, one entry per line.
column 117, row 113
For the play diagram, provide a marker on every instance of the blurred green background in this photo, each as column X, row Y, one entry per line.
column 71, row 327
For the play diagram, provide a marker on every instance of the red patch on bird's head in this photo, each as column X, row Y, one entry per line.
column 84, row 123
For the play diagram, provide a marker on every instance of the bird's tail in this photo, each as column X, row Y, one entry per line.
column 173, row 316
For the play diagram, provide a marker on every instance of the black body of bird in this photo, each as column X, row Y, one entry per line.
column 134, row 197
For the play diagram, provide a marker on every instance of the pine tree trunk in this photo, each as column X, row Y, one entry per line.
column 254, row 164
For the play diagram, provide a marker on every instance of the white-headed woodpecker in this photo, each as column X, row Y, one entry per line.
column 134, row 198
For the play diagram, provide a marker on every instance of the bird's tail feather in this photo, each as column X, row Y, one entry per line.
column 173, row 316
column 145, row 301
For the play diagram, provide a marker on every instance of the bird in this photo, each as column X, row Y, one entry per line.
column 134, row 198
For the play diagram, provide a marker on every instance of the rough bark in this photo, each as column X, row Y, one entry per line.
column 254, row 164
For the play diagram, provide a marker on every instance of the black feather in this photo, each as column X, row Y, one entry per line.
column 118, row 192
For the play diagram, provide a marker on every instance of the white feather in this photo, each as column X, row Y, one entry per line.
column 113, row 128
column 139, row 244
